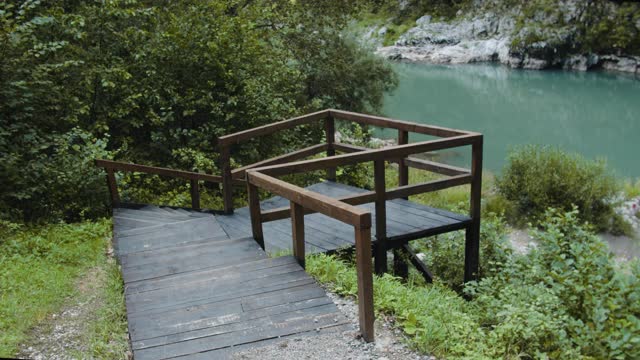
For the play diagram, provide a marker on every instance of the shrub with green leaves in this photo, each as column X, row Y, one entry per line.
column 539, row 177
column 444, row 254
column 566, row 299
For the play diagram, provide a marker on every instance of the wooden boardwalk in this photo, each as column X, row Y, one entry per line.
column 198, row 286
column 194, row 292
column 324, row 234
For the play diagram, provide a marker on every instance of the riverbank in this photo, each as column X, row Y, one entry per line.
column 525, row 36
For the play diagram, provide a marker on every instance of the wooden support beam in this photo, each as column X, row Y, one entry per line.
column 366, row 314
column 227, row 190
column 195, row 195
column 400, row 266
column 397, row 241
column 297, row 224
column 472, row 234
column 434, row 185
column 435, row 167
column 381, row 217
column 113, row 187
column 239, row 173
column 420, row 266
column 330, row 131
column 403, row 170
column 349, row 148
column 283, row 212
column 254, row 210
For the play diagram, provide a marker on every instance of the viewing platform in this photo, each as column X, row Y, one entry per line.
column 200, row 284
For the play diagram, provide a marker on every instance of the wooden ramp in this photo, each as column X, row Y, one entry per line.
column 405, row 220
column 194, row 292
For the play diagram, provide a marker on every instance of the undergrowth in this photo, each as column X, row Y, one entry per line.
column 40, row 266
column 567, row 299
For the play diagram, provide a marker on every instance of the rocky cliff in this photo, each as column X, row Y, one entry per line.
column 517, row 37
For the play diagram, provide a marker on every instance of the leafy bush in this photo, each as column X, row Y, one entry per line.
column 536, row 178
column 163, row 80
column 565, row 299
column 444, row 254
column 56, row 179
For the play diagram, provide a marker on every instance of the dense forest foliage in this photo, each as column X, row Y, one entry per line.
column 156, row 82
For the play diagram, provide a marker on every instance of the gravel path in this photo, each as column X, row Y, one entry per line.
column 389, row 344
column 60, row 335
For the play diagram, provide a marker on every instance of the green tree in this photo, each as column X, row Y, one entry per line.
column 162, row 79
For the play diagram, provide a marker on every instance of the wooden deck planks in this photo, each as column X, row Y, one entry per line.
column 325, row 234
column 191, row 290
column 198, row 286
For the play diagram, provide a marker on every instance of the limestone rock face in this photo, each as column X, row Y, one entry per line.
column 484, row 37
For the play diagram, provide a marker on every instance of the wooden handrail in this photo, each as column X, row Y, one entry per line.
column 412, row 162
column 301, row 199
column 188, row 175
column 397, row 124
column 311, row 200
column 239, row 173
column 370, row 196
column 111, row 166
column 240, row 136
column 395, row 152
column 329, row 116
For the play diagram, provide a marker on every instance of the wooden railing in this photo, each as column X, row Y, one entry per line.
column 330, row 146
column 263, row 175
column 380, row 194
column 301, row 200
column 111, row 167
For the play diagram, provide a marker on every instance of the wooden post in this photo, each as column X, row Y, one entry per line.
column 472, row 233
column 113, row 188
column 195, row 195
column 227, row 187
column 297, row 224
column 330, row 130
column 254, row 210
column 365, row 282
column 381, row 217
column 403, row 169
column 400, row 266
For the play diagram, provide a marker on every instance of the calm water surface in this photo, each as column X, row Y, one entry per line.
column 596, row 114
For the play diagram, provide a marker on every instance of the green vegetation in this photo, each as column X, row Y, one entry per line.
column 398, row 18
column 107, row 336
column 156, row 83
column 536, row 178
column 631, row 189
column 566, row 299
column 435, row 317
column 40, row 268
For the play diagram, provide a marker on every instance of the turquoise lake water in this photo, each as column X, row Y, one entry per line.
column 596, row 114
